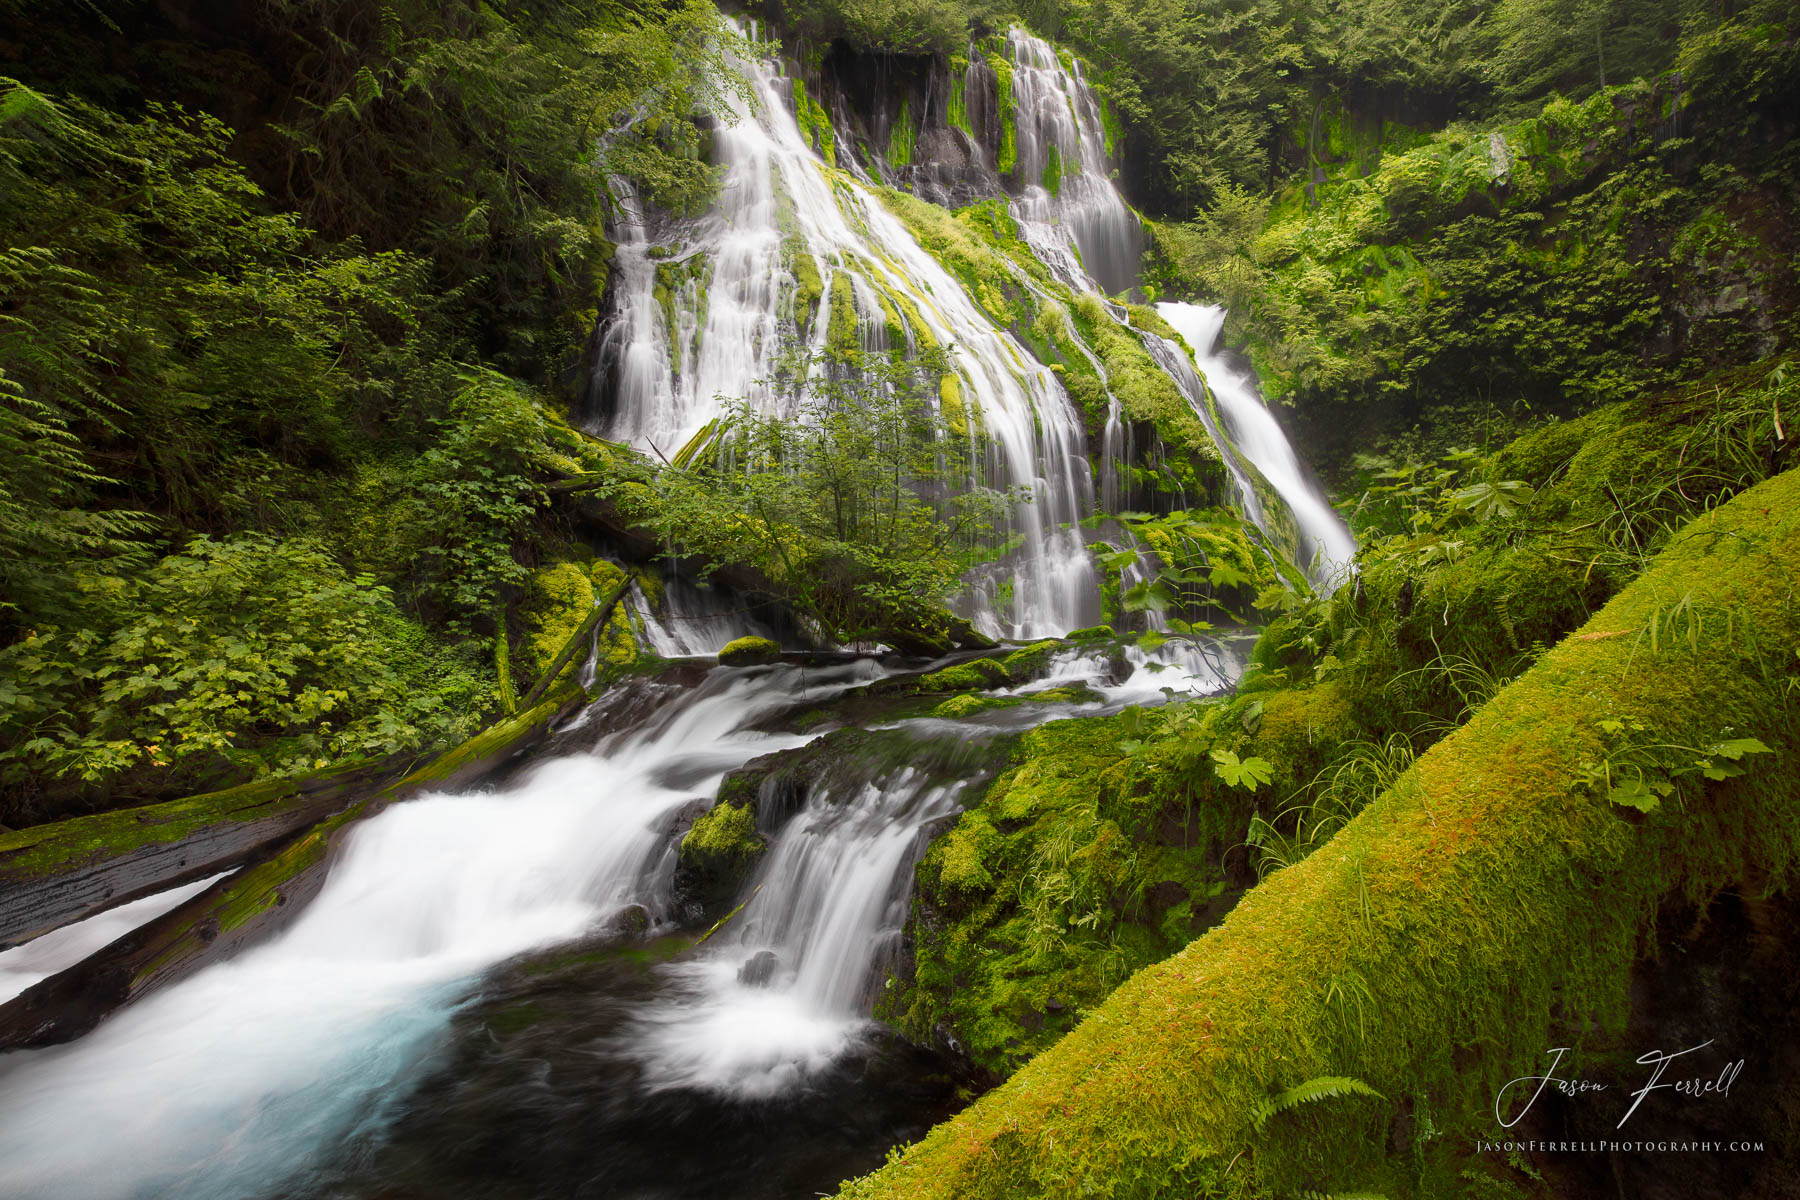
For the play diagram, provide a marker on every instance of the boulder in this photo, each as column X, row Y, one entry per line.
column 749, row 652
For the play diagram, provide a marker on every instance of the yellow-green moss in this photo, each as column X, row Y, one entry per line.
column 749, row 652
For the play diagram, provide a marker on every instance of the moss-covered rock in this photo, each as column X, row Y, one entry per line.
column 749, row 652
column 1031, row 662
column 975, row 675
column 558, row 598
column 718, row 855
column 968, row 704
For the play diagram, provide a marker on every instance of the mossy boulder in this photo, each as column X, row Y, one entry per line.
column 968, row 704
column 1031, row 662
column 749, row 652
column 975, row 675
column 1093, row 633
column 717, row 856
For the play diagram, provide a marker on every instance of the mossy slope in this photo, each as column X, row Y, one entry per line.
column 1485, row 907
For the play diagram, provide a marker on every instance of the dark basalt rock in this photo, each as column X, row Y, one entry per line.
column 758, row 969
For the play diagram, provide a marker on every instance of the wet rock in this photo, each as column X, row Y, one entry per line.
column 758, row 969
column 633, row 920
column 749, row 652
column 716, row 858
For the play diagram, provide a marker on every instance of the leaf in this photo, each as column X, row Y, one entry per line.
column 1246, row 773
column 1737, row 748
column 1325, row 1087
column 1252, row 718
column 1635, row 793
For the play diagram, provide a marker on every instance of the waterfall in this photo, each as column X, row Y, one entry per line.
column 785, row 989
column 1069, row 211
column 731, row 291
column 1327, row 549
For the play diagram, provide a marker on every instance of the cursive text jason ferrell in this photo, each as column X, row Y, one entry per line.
column 1658, row 1061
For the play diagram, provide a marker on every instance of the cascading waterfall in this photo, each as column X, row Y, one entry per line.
column 1073, row 217
column 783, row 990
column 1069, row 211
column 236, row 1082
column 1327, row 550
column 732, row 296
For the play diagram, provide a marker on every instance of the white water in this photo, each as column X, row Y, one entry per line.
column 1084, row 231
column 828, row 904
column 239, row 1078
column 691, row 622
column 1327, row 548
column 729, row 326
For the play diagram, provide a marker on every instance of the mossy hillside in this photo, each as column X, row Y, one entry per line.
column 1485, row 907
column 981, row 248
column 1108, row 844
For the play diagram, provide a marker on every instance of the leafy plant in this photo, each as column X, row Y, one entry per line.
column 1248, row 773
column 1641, row 775
column 1324, row 1087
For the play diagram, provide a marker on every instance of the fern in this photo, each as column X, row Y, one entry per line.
column 1325, row 1087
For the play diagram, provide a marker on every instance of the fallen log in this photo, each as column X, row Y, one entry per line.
column 51, row 875
column 253, row 902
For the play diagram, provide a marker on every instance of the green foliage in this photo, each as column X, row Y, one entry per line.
column 1571, row 254
column 243, row 656
column 1325, row 1087
column 285, row 331
column 858, row 513
column 1248, row 773
column 900, row 26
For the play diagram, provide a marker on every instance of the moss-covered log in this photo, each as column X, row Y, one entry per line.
column 1489, row 906
column 53, row 874
column 252, row 902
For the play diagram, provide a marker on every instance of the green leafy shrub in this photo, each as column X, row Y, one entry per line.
column 242, row 656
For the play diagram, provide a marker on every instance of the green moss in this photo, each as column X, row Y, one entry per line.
column 976, row 675
column 724, row 834
column 1051, row 176
column 901, row 137
column 1007, row 160
column 749, row 652
column 809, row 288
column 957, row 114
column 843, row 339
column 1032, row 662
column 967, row 705
column 815, row 123
column 1485, row 906
column 557, row 599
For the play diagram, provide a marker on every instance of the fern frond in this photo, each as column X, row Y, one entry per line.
column 1324, row 1087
